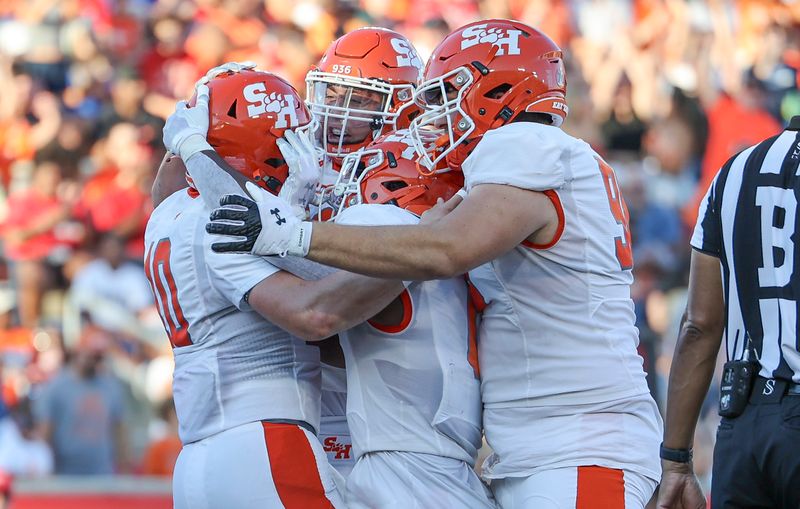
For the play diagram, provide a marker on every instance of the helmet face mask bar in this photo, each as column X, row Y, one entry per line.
column 387, row 172
column 361, row 88
column 442, row 113
column 348, row 185
column 346, row 191
column 351, row 109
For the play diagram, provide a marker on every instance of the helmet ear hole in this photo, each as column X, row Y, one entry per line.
column 232, row 109
column 275, row 162
column 394, row 185
column 498, row 92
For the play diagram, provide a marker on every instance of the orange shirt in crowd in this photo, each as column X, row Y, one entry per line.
column 731, row 128
column 161, row 455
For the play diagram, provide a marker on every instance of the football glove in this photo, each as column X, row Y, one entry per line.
column 262, row 224
column 304, row 171
column 186, row 129
column 221, row 69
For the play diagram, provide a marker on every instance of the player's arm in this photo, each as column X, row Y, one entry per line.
column 492, row 220
column 489, row 222
column 315, row 310
column 170, row 177
column 185, row 135
column 692, row 368
column 696, row 350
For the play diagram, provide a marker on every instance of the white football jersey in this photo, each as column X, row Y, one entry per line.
column 231, row 365
column 558, row 325
column 333, row 431
column 411, row 387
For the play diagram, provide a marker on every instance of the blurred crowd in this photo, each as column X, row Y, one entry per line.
column 666, row 90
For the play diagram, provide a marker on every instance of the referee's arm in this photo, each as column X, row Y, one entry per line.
column 692, row 368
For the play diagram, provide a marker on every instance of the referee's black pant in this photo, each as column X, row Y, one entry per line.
column 757, row 455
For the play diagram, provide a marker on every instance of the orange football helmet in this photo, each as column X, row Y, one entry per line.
column 363, row 85
column 249, row 111
column 481, row 77
column 386, row 172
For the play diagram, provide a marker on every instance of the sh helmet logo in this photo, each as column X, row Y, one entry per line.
column 406, row 55
column 507, row 41
column 260, row 102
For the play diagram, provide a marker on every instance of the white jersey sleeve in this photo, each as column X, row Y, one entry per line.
column 375, row 215
column 707, row 234
column 235, row 274
column 523, row 155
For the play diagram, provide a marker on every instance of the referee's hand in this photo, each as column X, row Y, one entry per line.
column 679, row 487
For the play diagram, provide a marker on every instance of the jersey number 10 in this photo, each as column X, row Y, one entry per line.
column 620, row 212
column 156, row 267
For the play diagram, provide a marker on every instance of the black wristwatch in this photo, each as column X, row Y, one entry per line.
column 676, row 455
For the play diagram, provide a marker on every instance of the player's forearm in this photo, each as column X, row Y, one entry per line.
column 170, row 178
column 315, row 310
column 213, row 177
column 689, row 379
column 396, row 252
column 344, row 299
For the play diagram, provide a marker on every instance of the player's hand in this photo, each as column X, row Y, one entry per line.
column 222, row 69
column 186, row 129
column 262, row 225
column 442, row 208
column 679, row 488
column 304, row 171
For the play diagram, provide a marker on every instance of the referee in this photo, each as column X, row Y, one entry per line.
column 748, row 228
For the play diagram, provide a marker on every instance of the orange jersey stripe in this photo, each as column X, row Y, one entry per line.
column 556, row 200
column 408, row 307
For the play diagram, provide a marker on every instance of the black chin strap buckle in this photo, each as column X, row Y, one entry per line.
column 480, row 67
column 506, row 113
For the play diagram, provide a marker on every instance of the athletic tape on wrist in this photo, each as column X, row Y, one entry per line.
column 300, row 242
column 193, row 144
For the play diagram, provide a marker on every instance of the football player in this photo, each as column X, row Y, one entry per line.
column 543, row 233
column 413, row 386
column 246, row 387
column 361, row 87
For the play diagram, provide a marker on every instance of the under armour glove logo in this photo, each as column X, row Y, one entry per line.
column 232, row 221
column 276, row 213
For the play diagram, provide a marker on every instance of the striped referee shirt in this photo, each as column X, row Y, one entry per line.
column 748, row 219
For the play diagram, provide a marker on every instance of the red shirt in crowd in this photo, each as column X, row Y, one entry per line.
column 25, row 209
column 108, row 206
